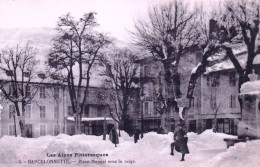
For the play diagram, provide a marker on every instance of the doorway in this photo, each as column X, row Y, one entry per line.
column 192, row 126
column 28, row 130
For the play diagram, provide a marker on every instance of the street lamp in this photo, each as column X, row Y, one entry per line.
column 142, row 114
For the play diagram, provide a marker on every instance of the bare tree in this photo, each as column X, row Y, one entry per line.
column 121, row 69
column 21, row 81
column 238, row 23
column 215, row 110
column 168, row 33
column 161, row 107
column 74, row 51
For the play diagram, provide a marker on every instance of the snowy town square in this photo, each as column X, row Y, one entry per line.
column 130, row 83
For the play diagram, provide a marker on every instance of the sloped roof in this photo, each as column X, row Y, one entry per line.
column 239, row 50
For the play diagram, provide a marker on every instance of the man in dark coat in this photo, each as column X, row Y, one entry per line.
column 113, row 136
column 180, row 143
column 161, row 130
column 136, row 135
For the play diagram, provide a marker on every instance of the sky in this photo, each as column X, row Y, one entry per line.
column 116, row 17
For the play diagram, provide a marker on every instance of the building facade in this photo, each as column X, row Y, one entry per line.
column 50, row 113
column 152, row 83
column 215, row 99
column 220, row 108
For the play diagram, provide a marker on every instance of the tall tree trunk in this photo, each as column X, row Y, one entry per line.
column 173, row 90
column 22, row 120
column 15, row 132
column 242, row 79
column 21, row 123
column 78, row 124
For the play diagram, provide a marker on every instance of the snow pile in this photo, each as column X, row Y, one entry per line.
column 252, row 87
column 240, row 155
column 206, row 149
column 209, row 140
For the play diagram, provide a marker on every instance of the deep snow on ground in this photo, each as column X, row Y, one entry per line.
column 207, row 149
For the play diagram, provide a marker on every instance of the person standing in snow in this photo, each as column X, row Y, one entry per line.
column 113, row 136
column 161, row 130
column 136, row 135
column 180, row 142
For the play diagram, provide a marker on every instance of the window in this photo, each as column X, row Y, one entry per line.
column 208, row 80
column 42, row 112
column 232, row 79
column 192, row 102
column 42, row 130
column 146, row 108
column 42, row 76
column 28, row 91
column 56, row 92
column 198, row 102
column 28, row 111
column 56, row 112
column 215, row 80
column 86, row 111
column 155, row 106
column 227, row 126
column 9, row 73
column 232, row 101
column 11, row 110
column 99, row 113
column 70, row 111
column 26, row 74
column 220, row 125
column 146, row 71
column 99, row 110
column 213, row 102
column 11, row 90
column 56, row 130
column 11, row 130
column 42, row 92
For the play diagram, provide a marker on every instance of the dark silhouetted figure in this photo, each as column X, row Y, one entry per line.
column 180, row 142
column 136, row 135
column 161, row 130
column 113, row 136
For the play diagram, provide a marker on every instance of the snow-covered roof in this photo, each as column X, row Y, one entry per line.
column 87, row 119
column 240, row 52
column 252, row 87
column 227, row 64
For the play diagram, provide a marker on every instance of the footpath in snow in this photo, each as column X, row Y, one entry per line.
column 206, row 150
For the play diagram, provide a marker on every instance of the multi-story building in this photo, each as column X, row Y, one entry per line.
column 219, row 107
column 152, row 82
column 50, row 112
column 215, row 100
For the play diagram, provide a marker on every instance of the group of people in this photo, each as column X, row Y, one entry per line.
column 180, row 140
column 113, row 136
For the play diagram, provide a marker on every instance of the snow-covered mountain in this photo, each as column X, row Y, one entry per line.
column 39, row 38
